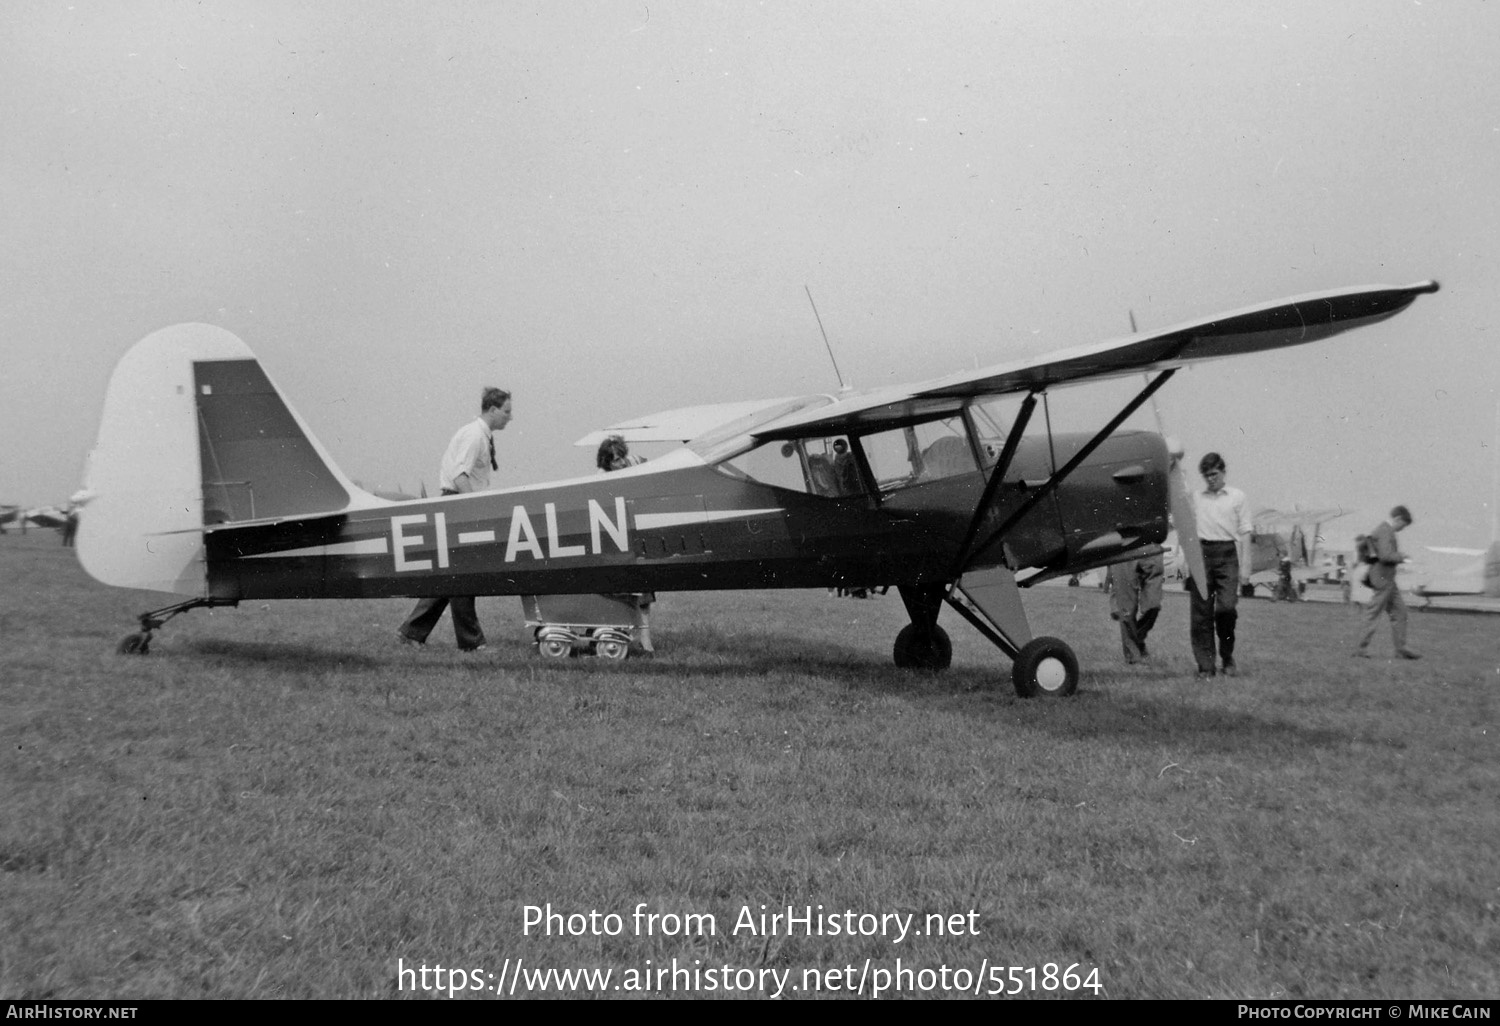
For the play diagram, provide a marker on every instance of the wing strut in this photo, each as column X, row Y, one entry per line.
column 1002, row 464
column 1060, row 475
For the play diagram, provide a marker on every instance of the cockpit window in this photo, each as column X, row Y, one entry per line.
column 919, row 453
column 993, row 419
column 816, row 466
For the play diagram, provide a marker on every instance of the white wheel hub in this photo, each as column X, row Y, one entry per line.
column 1051, row 674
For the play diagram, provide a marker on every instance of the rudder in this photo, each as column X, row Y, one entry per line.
column 194, row 433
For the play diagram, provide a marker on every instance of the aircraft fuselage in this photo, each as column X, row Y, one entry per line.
column 696, row 528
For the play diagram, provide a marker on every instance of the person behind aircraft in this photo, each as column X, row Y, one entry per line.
column 1135, row 601
column 614, row 454
column 466, row 467
column 70, row 526
column 1386, row 597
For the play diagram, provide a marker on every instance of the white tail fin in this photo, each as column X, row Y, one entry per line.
column 194, row 434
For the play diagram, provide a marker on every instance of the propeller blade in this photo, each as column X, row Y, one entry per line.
column 1186, row 522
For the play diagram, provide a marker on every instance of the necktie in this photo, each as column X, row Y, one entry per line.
column 493, row 464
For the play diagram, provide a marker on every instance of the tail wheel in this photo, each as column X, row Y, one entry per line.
column 1045, row 668
column 923, row 648
column 134, row 644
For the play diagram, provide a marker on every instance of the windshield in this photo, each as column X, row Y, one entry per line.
column 918, row 453
column 734, row 438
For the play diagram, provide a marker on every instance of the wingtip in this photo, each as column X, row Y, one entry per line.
column 1430, row 285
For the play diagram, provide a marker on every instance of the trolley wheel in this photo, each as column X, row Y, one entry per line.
column 134, row 644
column 554, row 648
column 614, row 651
column 923, row 649
column 1046, row 668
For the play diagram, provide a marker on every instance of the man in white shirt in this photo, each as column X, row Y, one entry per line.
column 466, row 467
column 1224, row 528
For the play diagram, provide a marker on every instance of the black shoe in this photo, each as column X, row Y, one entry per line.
column 1406, row 653
column 1359, row 653
column 475, row 648
column 1201, row 674
column 412, row 642
column 1231, row 670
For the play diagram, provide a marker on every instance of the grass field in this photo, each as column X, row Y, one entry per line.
column 279, row 801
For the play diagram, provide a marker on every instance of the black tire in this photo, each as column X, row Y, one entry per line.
column 1045, row 668
column 923, row 648
column 134, row 644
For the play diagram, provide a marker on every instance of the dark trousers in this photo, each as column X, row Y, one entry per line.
column 1386, row 599
column 1135, row 601
column 1214, row 617
column 428, row 611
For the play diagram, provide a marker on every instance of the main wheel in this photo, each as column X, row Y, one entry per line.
column 554, row 648
column 614, row 651
column 923, row 648
column 1045, row 667
column 134, row 644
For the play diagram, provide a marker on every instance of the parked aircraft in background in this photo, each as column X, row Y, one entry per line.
column 1284, row 553
column 1479, row 577
column 207, row 485
column 45, row 516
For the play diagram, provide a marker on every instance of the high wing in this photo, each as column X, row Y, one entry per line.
column 1287, row 322
column 682, row 425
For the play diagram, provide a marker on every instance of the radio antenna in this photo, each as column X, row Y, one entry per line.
column 826, row 346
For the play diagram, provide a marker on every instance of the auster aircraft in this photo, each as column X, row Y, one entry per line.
column 205, row 484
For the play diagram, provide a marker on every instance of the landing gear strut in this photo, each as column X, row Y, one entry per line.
column 991, row 601
column 922, row 644
column 923, row 648
column 140, row 642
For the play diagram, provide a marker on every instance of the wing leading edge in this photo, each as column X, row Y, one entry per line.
column 684, row 424
column 1287, row 322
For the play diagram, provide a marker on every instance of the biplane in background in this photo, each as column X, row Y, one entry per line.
column 1284, row 551
column 205, row 484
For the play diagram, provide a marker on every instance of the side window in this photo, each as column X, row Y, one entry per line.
column 778, row 464
column 819, row 466
column 831, row 466
column 930, row 451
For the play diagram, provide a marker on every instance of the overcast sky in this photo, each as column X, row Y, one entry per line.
column 612, row 208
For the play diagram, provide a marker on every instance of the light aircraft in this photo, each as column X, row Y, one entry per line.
column 9, row 515
column 1290, row 537
column 1481, row 577
column 206, row 484
column 45, row 516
